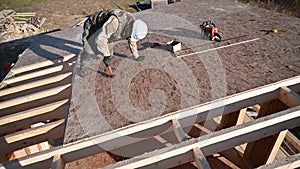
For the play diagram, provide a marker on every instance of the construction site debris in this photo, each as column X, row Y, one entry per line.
column 13, row 24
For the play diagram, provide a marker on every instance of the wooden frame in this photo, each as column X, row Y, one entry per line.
column 223, row 139
column 215, row 142
column 34, row 94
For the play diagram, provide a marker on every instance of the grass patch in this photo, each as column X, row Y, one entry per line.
column 18, row 5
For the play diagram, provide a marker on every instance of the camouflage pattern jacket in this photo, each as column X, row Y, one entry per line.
column 103, row 28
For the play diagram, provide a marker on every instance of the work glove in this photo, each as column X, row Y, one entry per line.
column 107, row 60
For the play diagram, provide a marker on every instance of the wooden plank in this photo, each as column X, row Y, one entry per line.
column 25, row 14
column 20, row 18
column 34, row 76
column 3, row 158
column 293, row 140
column 209, row 144
column 44, row 146
column 287, row 163
column 289, row 97
column 32, row 136
column 276, row 146
column 242, row 116
column 18, row 154
column 35, row 100
column 58, row 162
column 217, row 141
column 257, row 153
column 180, row 135
column 220, row 47
column 229, row 120
column 44, row 64
column 26, row 118
column 200, row 159
column 33, row 87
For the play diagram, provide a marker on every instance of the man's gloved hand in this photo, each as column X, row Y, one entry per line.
column 107, row 61
column 140, row 58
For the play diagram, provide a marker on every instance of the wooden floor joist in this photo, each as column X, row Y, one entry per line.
column 37, row 66
column 264, row 150
column 38, row 75
column 293, row 140
column 180, row 135
column 215, row 142
column 58, row 162
column 289, row 97
column 25, row 138
column 26, row 118
column 291, row 162
column 33, row 87
column 129, row 135
column 200, row 159
column 35, row 100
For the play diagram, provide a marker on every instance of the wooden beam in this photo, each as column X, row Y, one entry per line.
column 33, row 87
column 25, row 14
column 258, row 152
column 220, row 47
column 232, row 119
column 26, row 118
column 276, row 146
column 180, row 135
column 242, row 116
column 35, row 100
column 293, row 140
column 200, row 159
column 37, row 66
column 38, row 75
column 209, row 144
column 289, row 97
column 32, row 136
column 215, row 142
column 286, row 163
column 58, row 162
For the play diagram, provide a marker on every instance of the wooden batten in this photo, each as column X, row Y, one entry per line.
column 37, row 66
column 215, row 142
column 289, row 97
column 33, row 87
column 260, row 152
column 35, row 100
column 57, row 162
column 180, row 135
column 200, row 159
column 39, row 75
column 293, row 140
column 276, row 146
column 287, row 163
column 11, row 123
column 25, row 138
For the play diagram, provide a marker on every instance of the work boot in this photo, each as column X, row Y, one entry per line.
column 140, row 58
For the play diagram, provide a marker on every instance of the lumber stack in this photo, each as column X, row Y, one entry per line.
column 16, row 24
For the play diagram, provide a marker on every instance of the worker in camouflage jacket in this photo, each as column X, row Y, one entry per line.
column 103, row 28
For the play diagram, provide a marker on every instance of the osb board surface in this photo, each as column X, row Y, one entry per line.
column 163, row 83
column 51, row 46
